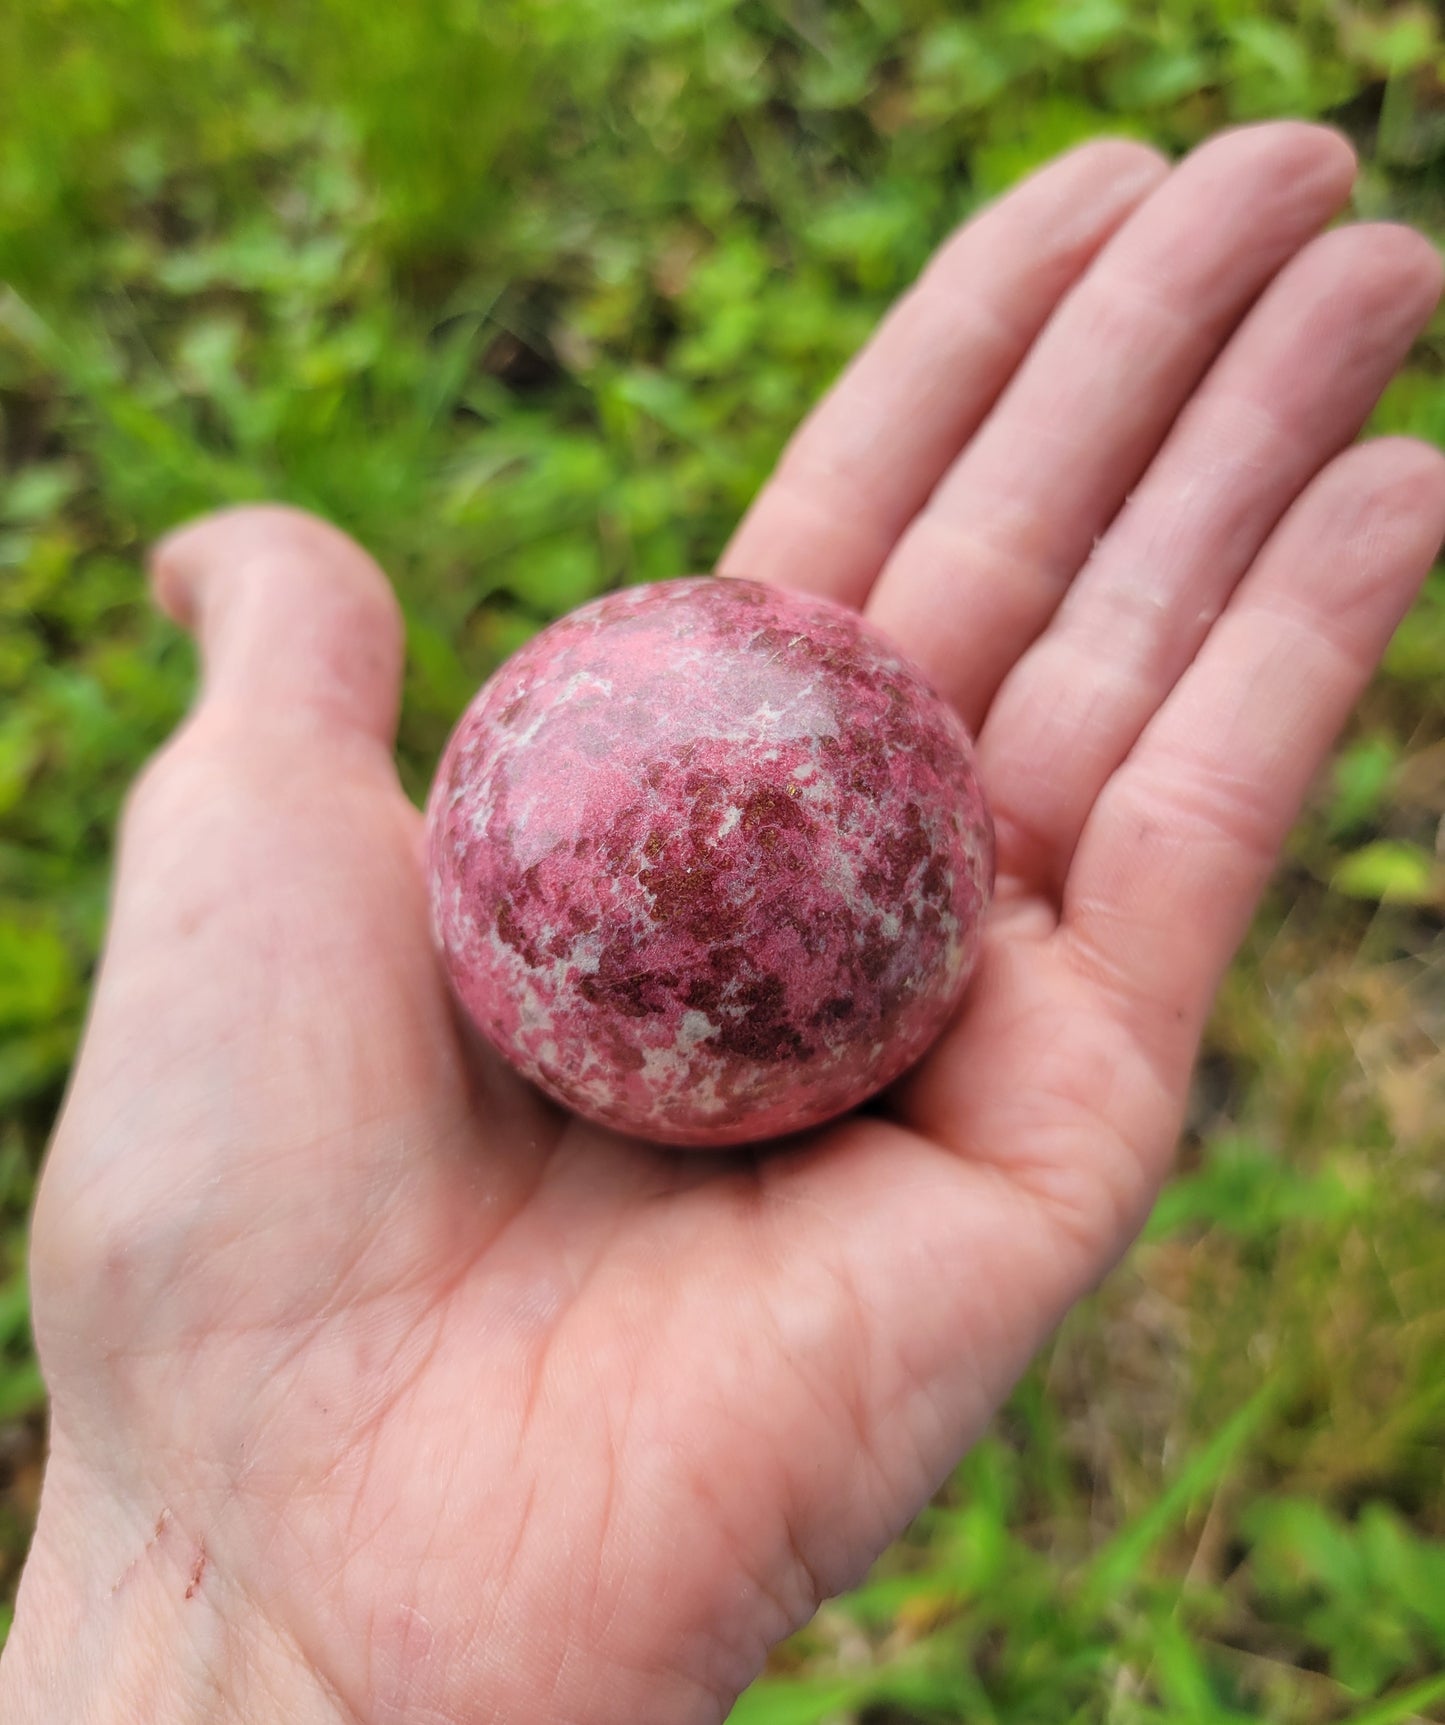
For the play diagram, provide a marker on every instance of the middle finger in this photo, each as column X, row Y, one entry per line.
column 1292, row 389
column 981, row 570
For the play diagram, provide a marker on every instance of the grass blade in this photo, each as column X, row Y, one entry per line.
column 1116, row 1566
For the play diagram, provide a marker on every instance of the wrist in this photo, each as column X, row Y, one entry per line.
column 122, row 1620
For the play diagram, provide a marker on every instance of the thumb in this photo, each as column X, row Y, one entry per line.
column 267, row 877
column 297, row 626
column 268, row 1006
column 270, row 1068
column 269, row 839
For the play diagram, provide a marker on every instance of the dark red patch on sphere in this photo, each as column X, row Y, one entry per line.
column 709, row 861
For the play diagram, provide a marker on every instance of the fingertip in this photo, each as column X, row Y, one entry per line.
column 165, row 563
column 1418, row 262
column 1403, row 474
column 1363, row 537
column 1394, row 246
column 1372, row 286
column 183, row 562
column 293, row 615
column 1414, row 485
column 1122, row 160
column 1310, row 155
column 179, row 559
column 1102, row 179
column 1080, row 200
column 1333, row 152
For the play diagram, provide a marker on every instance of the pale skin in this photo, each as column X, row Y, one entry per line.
column 383, row 1393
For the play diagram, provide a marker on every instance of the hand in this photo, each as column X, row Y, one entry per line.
column 382, row 1392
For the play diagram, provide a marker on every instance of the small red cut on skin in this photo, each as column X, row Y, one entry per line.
column 709, row 861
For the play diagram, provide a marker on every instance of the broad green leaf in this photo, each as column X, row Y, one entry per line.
column 1362, row 777
column 1082, row 29
column 556, row 578
column 38, row 491
column 1416, row 656
column 1249, row 1190
column 1270, row 71
column 1389, row 872
column 796, row 1701
column 33, row 1063
column 1299, row 1543
column 961, row 68
column 20, row 751
column 1159, row 77
column 37, row 974
column 1405, row 38
column 22, row 1389
column 14, row 1307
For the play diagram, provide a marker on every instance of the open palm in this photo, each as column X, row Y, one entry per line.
column 384, row 1392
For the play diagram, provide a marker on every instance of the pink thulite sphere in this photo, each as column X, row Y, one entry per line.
column 709, row 861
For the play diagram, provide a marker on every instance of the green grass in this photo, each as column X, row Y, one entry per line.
column 530, row 307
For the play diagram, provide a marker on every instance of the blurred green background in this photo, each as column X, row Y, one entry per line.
column 528, row 296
